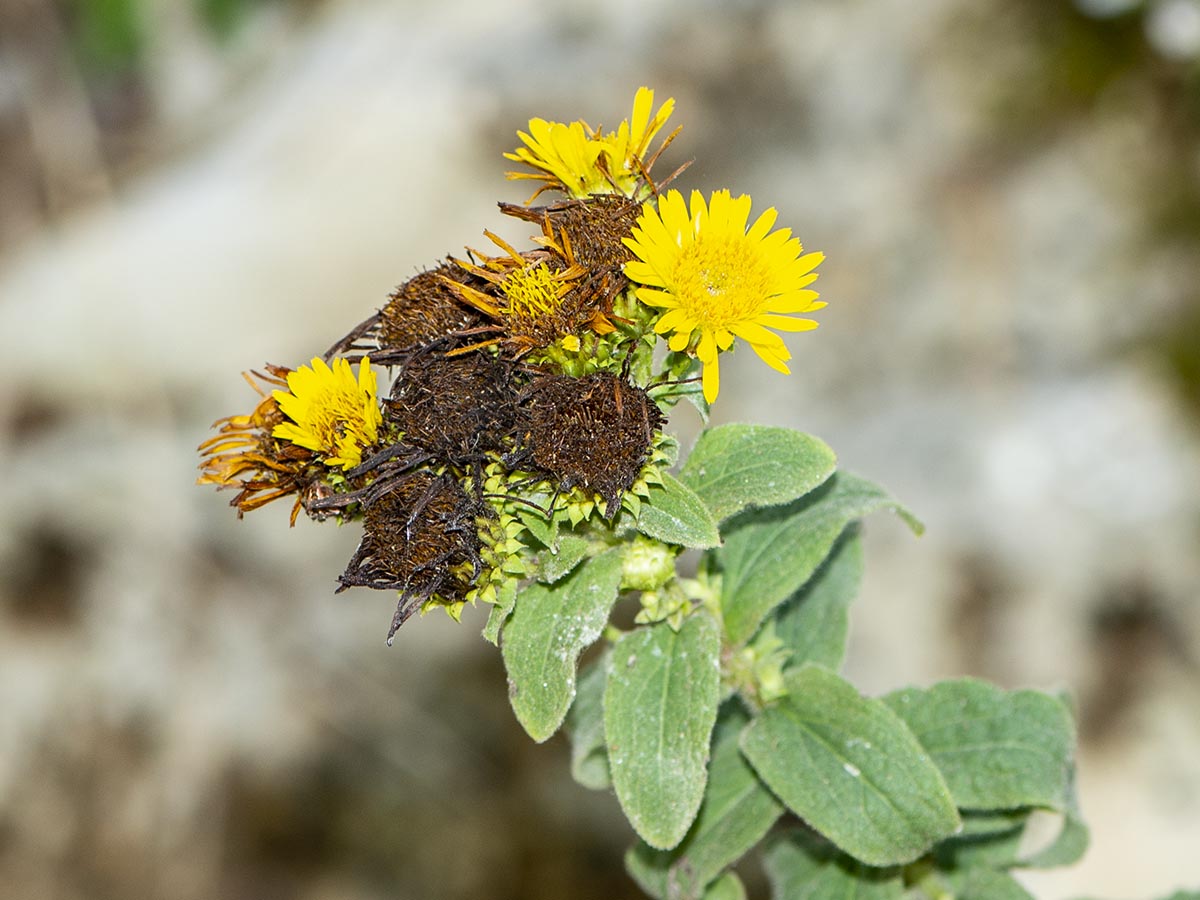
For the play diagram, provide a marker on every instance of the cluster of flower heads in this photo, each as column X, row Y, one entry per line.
column 524, row 390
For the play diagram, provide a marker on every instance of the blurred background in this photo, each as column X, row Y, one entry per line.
column 1008, row 194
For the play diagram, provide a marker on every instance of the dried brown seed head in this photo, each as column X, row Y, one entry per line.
column 424, row 309
column 419, row 539
column 457, row 408
column 594, row 432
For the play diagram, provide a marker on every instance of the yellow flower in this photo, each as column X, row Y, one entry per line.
column 626, row 148
column 536, row 298
column 716, row 280
column 331, row 413
column 245, row 455
column 581, row 161
column 564, row 155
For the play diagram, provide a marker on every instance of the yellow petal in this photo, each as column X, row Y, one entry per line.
column 711, row 380
column 786, row 323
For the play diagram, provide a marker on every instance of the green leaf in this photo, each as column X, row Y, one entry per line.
column 1067, row 848
column 802, row 867
column 996, row 749
column 981, row 883
column 733, row 467
column 674, row 514
column 696, row 398
column 685, row 372
column 668, row 446
column 543, row 528
column 737, row 812
column 660, row 704
column 851, row 769
column 1072, row 839
column 815, row 621
column 562, row 557
column 981, row 844
column 978, row 823
column 549, row 627
column 727, row 887
column 505, row 600
column 585, row 727
column 768, row 554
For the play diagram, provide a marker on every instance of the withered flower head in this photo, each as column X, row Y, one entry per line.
column 456, row 407
column 596, row 227
column 420, row 539
column 535, row 298
column 246, row 455
column 592, row 232
column 422, row 310
column 594, row 432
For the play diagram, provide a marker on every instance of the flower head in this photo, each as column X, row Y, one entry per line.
column 580, row 160
column 245, row 455
column 332, row 413
column 596, row 432
column 535, row 298
column 420, row 539
column 627, row 147
column 716, row 280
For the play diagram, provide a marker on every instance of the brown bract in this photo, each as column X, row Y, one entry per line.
column 594, row 432
column 420, row 539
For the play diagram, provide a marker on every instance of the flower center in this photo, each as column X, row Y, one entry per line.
column 337, row 420
column 721, row 280
column 532, row 292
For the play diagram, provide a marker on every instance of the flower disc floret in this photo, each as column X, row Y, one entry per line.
column 533, row 291
column 332, row 413
column 715, row 279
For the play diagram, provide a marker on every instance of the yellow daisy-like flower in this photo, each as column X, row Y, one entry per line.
column 716, row 280
column 581, row 161
column 332, row 413
column 627, row 146
column 563, row 155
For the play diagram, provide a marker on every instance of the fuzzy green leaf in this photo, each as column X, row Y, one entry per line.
column 505, row 600
column 800, row 866
column 542, row 528
column 674, row 514
column 733, row 467
column 727, row 887
column 561, row 558
column 769, row 554
column 850, row 767
column 978, row 823
column 548, row 629
column 996, row 749
column 660, row 704
column 1072, row 840
column 585, row 727
column 815, row 621
column 998, row 849
column 982, row 883
column 737, row 812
